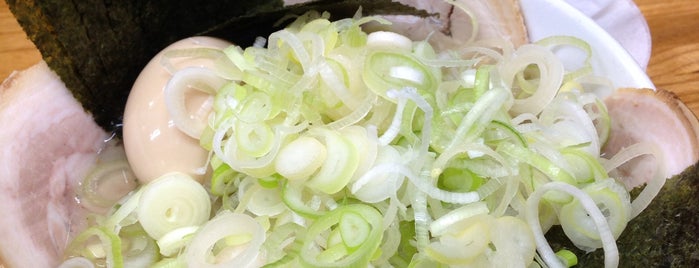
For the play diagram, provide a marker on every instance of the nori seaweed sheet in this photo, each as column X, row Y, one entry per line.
column 99, row 47
column 665, row 234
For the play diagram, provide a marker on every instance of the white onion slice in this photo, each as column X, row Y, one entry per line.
column 201, row 79
column 223, row 225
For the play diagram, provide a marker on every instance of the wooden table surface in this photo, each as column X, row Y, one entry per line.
column 674, row 62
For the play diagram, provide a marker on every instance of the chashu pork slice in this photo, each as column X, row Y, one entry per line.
column 47, row 144
column 654, row 116
column 455, row 24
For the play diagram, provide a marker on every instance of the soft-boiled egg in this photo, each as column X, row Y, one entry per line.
column 154, row 144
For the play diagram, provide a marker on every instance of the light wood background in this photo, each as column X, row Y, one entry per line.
column 16, row 51
column 674, row 62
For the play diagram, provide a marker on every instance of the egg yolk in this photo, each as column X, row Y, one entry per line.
column 153, row 143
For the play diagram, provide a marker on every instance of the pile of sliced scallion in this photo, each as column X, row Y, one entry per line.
column 334, row 147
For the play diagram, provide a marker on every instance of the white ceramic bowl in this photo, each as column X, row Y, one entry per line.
column 546, row 18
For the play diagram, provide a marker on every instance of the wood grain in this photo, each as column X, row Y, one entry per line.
column 674, row 61
column 16, row 51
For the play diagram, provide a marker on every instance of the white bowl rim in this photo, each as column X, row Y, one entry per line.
column 546, row 18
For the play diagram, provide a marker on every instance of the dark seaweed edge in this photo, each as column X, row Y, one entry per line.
column 665, row 234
